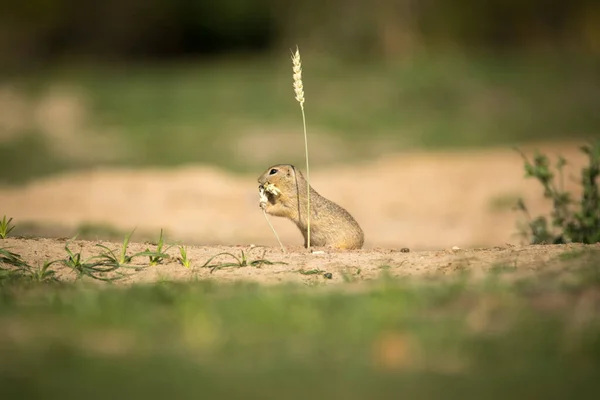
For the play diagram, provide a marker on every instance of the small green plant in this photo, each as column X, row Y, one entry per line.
column 45, row 274
column 73, row 260
column 570, row 220
column 239, row 262
column 314, row 271
column 109, row 257
column 183, row 258
column 5, row 227
column 159, row 255
column 24, row 270
column 122, row 260
column 10, row 258
column 90, row 268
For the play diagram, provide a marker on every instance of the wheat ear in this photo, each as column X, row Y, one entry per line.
column 299, row 90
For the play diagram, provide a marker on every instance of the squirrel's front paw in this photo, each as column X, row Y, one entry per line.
column 263, row 200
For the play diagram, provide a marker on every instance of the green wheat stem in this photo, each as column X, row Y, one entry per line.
column 274, row 231
column 307, row 179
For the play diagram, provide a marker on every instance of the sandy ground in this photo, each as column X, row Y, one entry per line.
column 423, row 201
column 298, row 265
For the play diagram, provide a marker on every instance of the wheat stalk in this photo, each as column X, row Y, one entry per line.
column 274, row 231
column 299, row 90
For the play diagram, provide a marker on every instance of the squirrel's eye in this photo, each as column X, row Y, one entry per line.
column 273, row 171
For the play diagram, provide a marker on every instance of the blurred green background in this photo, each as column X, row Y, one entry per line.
column 154, row 82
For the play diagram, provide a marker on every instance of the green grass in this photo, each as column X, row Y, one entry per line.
column 168, row 115
column 237, row 262
column 445, row 337
column 5, row 227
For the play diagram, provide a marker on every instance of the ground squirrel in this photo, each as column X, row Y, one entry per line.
column 330, row 225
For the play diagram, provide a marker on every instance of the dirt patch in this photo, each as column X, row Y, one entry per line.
column 300, row 266
column 418, row 200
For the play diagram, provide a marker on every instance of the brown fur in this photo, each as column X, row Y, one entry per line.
column 330, row 225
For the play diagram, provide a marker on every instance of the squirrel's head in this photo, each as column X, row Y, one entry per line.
column 279, row 174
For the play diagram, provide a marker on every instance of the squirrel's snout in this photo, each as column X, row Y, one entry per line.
column 262, row 181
